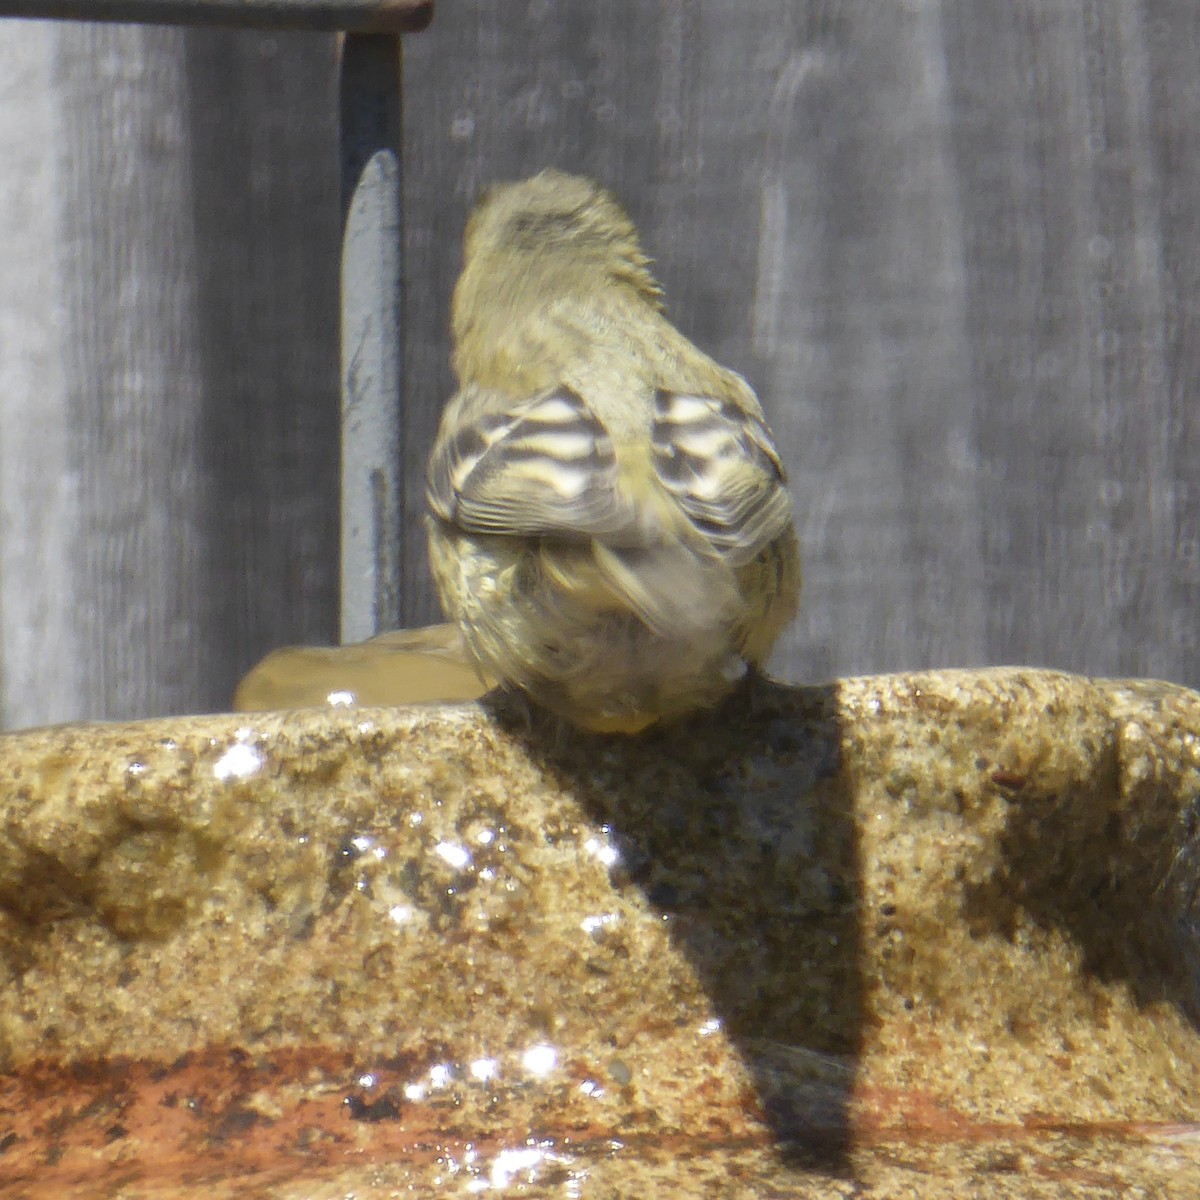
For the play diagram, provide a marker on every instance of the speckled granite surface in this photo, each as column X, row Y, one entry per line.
column 929, row 935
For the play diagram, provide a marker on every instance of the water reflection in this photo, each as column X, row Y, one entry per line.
column 240, row 761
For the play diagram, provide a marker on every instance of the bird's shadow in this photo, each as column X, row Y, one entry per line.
column 736, row 824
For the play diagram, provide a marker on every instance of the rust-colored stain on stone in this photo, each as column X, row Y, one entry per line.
column 225, row 1116
column 217, row 1115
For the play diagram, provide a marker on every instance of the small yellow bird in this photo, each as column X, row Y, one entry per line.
column 609, row 520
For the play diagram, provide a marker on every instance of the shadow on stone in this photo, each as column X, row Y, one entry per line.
column 736, row 825
column 1103, row 863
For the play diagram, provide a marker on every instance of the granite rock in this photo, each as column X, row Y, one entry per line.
column 921, row 935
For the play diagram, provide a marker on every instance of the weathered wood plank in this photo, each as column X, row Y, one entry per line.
column 189, row 422
column 952, row 246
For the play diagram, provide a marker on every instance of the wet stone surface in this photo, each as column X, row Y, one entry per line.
column 926, row 935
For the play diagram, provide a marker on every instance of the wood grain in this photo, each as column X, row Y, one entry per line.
column 948, row 244
column 952, row 246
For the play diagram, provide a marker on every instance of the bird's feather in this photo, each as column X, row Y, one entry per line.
column 542, row 467
column 548, row 467
column 718, row 461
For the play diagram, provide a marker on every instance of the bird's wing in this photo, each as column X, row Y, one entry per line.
column 719, row 462
column 547, row 467
column 544, row 467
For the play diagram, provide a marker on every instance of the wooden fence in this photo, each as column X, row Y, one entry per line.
column 953, row 246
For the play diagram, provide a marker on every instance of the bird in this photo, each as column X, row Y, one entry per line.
column 609, row 522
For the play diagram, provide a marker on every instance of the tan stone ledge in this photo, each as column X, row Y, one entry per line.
column 925, row 935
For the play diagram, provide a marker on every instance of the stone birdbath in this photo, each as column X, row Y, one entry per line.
column 922, row 936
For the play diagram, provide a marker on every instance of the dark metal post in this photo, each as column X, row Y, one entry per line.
column 391, row 16
column 371, row 313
